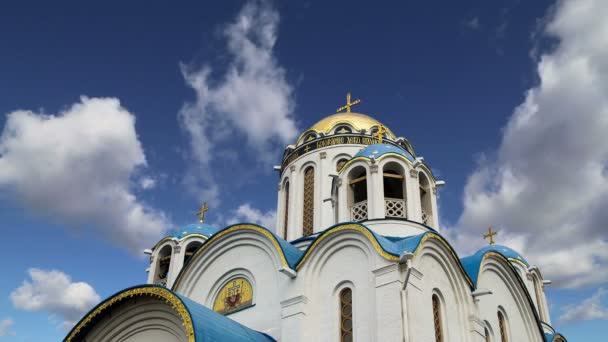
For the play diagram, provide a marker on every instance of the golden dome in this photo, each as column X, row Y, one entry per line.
column 357, row 121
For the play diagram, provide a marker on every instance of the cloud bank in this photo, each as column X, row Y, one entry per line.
column 54, row 292
column 247, row 213
column 77, row 167
column 251, row 99
column 589, row 309
column 547, row 188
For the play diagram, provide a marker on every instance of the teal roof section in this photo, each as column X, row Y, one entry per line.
column 471, row 263
column 291, row 252
column 379, row 150
column 208, row 325
column 194, row 228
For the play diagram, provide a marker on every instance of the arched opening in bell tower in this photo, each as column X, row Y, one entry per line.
column 357, row 193
column 191, row 249
column 425, row 199
column 394, row 190
column 163, row 264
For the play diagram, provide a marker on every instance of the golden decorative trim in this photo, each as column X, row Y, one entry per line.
column 350, row 226
column 153, row 291
column 226, row 231
column 356, row 120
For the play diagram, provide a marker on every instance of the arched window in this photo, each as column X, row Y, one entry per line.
column 286, row 210
column 437, row 319
column 487, row 334
column 163, row 264
column 346, row 315
column 309, row 201
column 503, row 327
column 394, row 191
column 340, row 164
column 357, row 197
column 425, row 199
column 191, row 249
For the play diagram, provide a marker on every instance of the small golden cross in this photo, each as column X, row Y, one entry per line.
column 380, row 133
column 201, row 213
column 348, row 104
column 490, row 235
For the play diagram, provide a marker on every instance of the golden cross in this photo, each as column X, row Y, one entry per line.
column 490, row 235
column 348, row 104
column 380, row 133
column 201, row 213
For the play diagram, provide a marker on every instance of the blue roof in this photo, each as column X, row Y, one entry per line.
column 378, row 150
column 194, row 228
column 471, row 263
column 291, row 252
column 208, row 325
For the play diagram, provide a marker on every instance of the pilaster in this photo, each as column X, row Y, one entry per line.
column 292, row 318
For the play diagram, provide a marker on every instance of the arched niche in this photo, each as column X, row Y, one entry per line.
column 395, row 192
column 357, row 193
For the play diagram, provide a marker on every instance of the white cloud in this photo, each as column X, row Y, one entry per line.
column 246, row 213
column 251, row 98
column 76, row 168
column 547, row 187
column 147, row 183
column 589, row 309
column 5, row 327
column 472, row 23
column 54, row 292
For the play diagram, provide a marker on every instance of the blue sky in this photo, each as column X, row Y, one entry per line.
column 116, row 124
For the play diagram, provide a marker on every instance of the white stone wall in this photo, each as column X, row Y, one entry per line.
column 507, row 296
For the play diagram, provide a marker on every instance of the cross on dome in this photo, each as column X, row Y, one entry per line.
column 201, row 213
column 380, row 133
column 490, row 235
column 348, row 104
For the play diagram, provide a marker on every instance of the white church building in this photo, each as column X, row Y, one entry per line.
column 357, row 256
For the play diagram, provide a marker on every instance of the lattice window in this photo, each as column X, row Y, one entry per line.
column 437, row 319
column 346, row 315
column 309, row 201
column 358, row 211
column 340, row 164
column 395, row 207
column 425, row 218
column 503, row 328
column 286, row 218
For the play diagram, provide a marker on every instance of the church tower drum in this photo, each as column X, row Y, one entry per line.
column 349, row 167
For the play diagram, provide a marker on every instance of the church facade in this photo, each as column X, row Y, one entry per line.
column 356, row 256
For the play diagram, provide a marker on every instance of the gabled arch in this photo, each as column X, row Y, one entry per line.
column 454, row 292
column 285, row 253
column 500, row 265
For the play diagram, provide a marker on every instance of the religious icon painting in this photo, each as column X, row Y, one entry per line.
column 234, row 296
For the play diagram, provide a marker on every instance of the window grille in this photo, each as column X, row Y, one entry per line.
column 286, row 218
column 309, row 201
column 346, row 315
column 437, row 319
